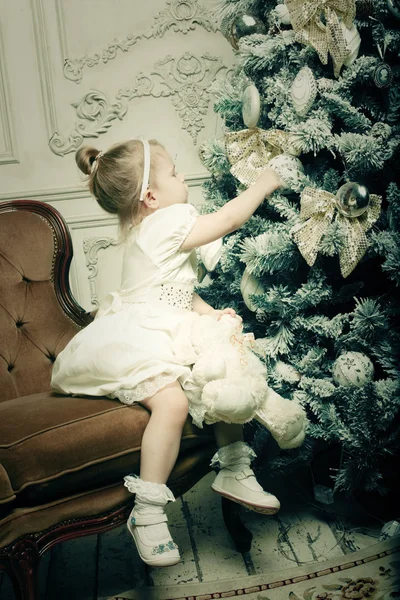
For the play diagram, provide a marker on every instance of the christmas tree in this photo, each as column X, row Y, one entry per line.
column 314, row 94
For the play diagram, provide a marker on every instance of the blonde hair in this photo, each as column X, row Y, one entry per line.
column 115, row 177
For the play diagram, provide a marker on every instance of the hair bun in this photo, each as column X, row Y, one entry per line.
column 85, row 158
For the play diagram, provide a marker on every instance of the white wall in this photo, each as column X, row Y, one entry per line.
column 76, row 72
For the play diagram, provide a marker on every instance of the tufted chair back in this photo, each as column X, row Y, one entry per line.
column 38, row 315
column 63, row 458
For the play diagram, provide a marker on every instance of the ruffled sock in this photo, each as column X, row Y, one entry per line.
column 151, row 499
column 236, row 479
column 237, row 454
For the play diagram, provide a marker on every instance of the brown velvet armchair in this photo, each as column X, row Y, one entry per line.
column 62, row 458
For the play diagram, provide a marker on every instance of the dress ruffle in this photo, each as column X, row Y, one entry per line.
column 147, row 388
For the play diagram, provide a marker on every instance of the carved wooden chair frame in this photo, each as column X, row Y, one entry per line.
column 20, row 559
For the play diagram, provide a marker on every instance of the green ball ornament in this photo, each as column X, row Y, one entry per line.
column 352, row 199
column 352, row 369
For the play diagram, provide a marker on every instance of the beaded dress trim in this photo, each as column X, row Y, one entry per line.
column 176, row 295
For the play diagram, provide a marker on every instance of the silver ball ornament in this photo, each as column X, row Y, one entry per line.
column 353, row 42
column 250, row 285
column 282, row 12
column 242, row 25
column 352, row 199
column 304, row 91
column 289, row 169
column 251, row 106
column 247, row 25
column 352, row 368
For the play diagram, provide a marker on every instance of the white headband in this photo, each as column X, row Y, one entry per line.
column 146, row 166
column 95, row 163
column 146, row 169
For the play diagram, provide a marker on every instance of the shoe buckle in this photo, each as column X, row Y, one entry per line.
column 244, row 475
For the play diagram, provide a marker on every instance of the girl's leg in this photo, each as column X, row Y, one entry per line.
column 162, row 437
column 227, row 433
column 159, row 451
column 236, row 480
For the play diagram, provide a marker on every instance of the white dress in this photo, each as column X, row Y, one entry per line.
column 140, row 339
column 146, row 336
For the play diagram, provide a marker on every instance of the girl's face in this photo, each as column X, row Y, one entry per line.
column 170, row 187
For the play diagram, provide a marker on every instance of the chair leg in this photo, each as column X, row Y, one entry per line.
column 23, row 570
column 241, row 536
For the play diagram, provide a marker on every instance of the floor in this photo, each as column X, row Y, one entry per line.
column 303, row 532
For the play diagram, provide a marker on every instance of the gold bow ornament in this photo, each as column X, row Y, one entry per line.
column 317, row 209
column 316, row 22
column 249, row 151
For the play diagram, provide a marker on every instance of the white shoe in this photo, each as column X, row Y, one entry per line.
column 239, row 484
column 161, row 552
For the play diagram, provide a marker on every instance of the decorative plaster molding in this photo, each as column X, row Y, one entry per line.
column 61, row 30
column 46, row 83
column 78, row 193
column 90, row 221
column 91, row 247
column 9, row 155
column 73, row 66
column 186, row 79
column 181, row 16
column 53, row 195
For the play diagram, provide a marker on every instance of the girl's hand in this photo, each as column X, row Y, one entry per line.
column 226, row 311
column 270, row 179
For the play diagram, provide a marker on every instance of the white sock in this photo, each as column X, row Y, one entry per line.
column 234, row 456
column 151, row 499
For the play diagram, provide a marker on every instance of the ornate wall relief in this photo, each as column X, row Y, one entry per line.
column 91, row 247
column 9, row 154
column 186, row 80
column 46, row 82
column 180, row 15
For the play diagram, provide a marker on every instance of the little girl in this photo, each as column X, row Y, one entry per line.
column 138, row 347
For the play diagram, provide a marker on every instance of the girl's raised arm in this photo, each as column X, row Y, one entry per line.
column 234, row 214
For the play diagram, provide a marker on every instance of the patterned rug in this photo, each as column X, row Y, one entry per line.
column 369, row 574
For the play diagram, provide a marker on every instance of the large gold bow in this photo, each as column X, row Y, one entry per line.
column 324, row 37
column 318, row 208
column 249, row 151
